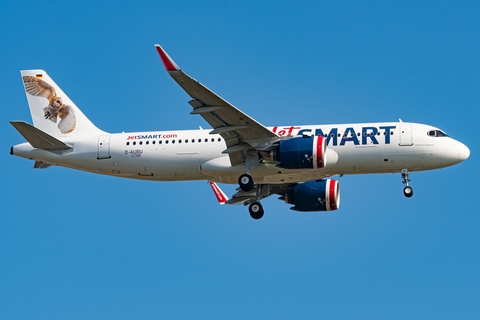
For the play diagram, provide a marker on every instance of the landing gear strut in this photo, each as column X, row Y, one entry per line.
column 245, row 181
column 407, row 191
column 256, row 210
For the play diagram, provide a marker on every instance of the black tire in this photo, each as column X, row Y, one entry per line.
column 245, row 181
column 408, row 192
column 256, row 210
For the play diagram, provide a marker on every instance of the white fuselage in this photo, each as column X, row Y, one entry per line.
column 197, row 155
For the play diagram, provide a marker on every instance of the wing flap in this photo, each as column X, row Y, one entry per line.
column 41, row 165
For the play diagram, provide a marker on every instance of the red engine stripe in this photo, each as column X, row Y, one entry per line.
column 319, row 152
column 332, row 203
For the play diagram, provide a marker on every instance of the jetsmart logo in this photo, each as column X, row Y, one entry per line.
column 152, row 136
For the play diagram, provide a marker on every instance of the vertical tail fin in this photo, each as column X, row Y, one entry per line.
column 52, row 110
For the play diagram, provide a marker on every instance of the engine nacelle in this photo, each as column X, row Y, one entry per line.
column 306, row 152
column 319, row 195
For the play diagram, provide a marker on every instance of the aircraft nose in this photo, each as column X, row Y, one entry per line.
column 463, row 151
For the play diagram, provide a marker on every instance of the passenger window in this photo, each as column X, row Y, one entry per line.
column 199, row 140
column 219, row 139
column 193, row 140
column 180, row 141
column 186, row 140
column 173, row 141
column 166, row 141
column 147, row 142
column 160, row 142
column 134, row 142
column 141, row 142
column 128, row 143
column 153, row 142
column 213, row 139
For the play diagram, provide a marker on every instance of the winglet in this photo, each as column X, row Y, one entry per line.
column 221, row 197
column 169, row 64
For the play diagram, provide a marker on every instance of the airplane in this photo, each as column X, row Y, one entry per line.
column 295, row 162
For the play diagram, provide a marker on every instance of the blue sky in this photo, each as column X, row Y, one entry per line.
column 75, row 245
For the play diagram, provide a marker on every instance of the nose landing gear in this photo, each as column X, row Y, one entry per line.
column 407, row 191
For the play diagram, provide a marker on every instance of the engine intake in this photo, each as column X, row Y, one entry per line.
column 304, row 152
column 318, row 195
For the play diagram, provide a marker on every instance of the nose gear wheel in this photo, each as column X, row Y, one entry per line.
column 407, row 191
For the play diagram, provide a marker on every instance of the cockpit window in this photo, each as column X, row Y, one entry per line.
column 437, row 133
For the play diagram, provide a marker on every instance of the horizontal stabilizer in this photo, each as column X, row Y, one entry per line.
column 37, row 138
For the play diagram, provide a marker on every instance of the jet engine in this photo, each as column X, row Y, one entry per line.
column 304, row 152
column 317, row 195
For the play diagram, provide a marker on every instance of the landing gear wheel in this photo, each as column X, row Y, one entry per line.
column 245, row 182
column 408, row 191
column 256, row 210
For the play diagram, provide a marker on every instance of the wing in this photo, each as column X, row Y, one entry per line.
column 240, row 131
column 258, row 193
column 38, row 87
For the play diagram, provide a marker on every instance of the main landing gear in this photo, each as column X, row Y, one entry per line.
column 245, row 181
column 256, row 210
column 407, row 191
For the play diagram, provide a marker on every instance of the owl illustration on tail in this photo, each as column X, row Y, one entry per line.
column 56, row 109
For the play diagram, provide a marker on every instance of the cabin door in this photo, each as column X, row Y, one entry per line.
column 104, row 147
